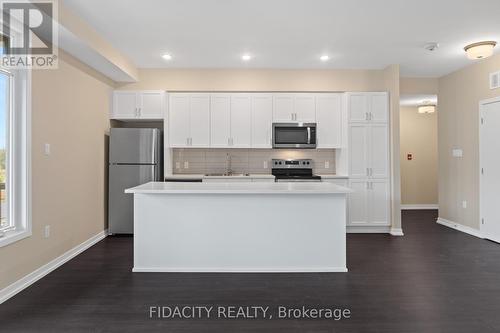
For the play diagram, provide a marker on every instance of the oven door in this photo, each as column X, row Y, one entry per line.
column 294, row 135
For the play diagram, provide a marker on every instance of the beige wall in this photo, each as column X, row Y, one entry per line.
column 419, row 183
column 419, row 86
column 70, row 111
column 458, row 118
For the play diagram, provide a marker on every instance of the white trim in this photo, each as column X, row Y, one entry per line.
column 372, row 229
column 239, row 270
column 459, row 227
column 419, row 206
column 10, row 237
column 396, row 232
column 39, row 273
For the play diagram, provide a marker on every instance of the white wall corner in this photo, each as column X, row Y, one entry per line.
column 396, row 232
column 39, row 273
column 459, row 227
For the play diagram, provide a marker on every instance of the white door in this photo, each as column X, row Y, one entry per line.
column 358, row 107
column 358, row 151
column 151, row 104
column 283, row 108
column 220, row 120
column 490, row 175
column 178, row 120
column 379, row 107
column 124, row 105
column 358, row 202
column 378, row 202
column 378, row 141
column 329, row 120
column 305, row 108
column 241, row 121
column 262, row 118
column 199, row 110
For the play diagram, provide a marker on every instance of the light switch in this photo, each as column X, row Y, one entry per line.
column 46, row 149
column 327, row 164
column 186, row 165
column 177, row 165
column 265, row 165
column 457, row 152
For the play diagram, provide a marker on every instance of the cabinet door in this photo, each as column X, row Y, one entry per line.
column 379, row 151
column 199, row 120
column 262, row 118
column 379, row 107
column 220, row 120
column 329, row 120
column 305, row 108
column 358, row 107
column 151, row 104
column 179, row 120
column 283, row 108
column 358, row 150
column 124, row 105
column 378, row 202
column 241, row 121
column 358, row 202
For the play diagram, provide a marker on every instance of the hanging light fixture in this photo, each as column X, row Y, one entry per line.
column 427, row 107
column 480, row 50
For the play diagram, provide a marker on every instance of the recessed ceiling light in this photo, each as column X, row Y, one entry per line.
column 246, row 57
column 167, row 56
column 324, row 58
column 480, row 50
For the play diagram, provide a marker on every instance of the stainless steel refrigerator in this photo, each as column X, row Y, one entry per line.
column 135, row 156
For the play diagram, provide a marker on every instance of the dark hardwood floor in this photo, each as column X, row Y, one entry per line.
column 433, row 279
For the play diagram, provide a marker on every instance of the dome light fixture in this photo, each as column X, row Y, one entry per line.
column 167, row 56
column 480, row 50
column 427, row 107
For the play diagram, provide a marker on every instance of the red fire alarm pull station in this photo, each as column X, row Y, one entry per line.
column 409, row 156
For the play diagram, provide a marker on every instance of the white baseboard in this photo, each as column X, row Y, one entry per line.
column 362, row 229
column 426, row 206
column 459, row 227
column 396, row 232
column 239, row 270
column 39, row 273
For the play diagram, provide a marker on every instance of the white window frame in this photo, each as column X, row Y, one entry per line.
column 18, row 162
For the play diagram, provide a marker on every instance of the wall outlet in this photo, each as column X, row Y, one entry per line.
column 46, row 149
column 177, row 165
column 186, row 165
column 327, row 165
column 46, row 231
column 464, row 204
column 265, row 165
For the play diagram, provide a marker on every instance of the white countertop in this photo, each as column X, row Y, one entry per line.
column 251, row 176
column 239, row 188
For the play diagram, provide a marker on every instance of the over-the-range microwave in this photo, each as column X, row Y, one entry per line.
column 294, row 135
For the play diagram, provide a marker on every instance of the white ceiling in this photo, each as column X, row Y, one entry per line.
column 356, row 34
column 416, row 100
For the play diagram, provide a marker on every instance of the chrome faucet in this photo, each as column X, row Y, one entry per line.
column 228, row 171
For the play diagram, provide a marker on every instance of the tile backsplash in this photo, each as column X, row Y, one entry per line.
column 256, row 161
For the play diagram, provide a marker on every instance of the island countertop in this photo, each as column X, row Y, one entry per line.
column 239, row 188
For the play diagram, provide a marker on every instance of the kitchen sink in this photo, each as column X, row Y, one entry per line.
column 227, row 175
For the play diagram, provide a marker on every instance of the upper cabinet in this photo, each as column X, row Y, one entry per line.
column 329, row 118
column 298, row 107
column 262, row 119
column 368, row 107
column 138, row 105
column 230, row 120
column 189, row 120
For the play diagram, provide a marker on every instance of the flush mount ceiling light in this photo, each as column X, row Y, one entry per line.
column 324, row 57
column 167, row 56
column 480, row 50
column 427, row 107
column 246, row 57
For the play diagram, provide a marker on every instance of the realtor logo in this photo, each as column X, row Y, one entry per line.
column 29, row 34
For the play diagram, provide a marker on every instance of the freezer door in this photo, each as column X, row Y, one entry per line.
column 134, row 146
column 121, row 205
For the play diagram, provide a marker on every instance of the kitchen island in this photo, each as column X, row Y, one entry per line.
column 239, row 227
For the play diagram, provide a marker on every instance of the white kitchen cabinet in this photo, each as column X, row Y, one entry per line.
column 140, row 105
column 358, row 202
column 298, row 107
column 220, row 120
column 262, row 118
column 329, row 120
column 369, row 203
column 189, row 120
column 371, row 107
column 359, row 146
column 378, row 147
column 241, row 121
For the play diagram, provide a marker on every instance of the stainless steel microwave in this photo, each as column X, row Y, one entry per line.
column 294, row 135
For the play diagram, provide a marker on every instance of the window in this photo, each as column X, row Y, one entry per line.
column 15, row 96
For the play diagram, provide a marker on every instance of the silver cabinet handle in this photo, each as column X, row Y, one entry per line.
column 371, row 116
column 366, row 116
column 138, row 112
column 367, row 185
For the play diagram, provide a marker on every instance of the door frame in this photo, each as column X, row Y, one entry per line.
column 482, row 103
